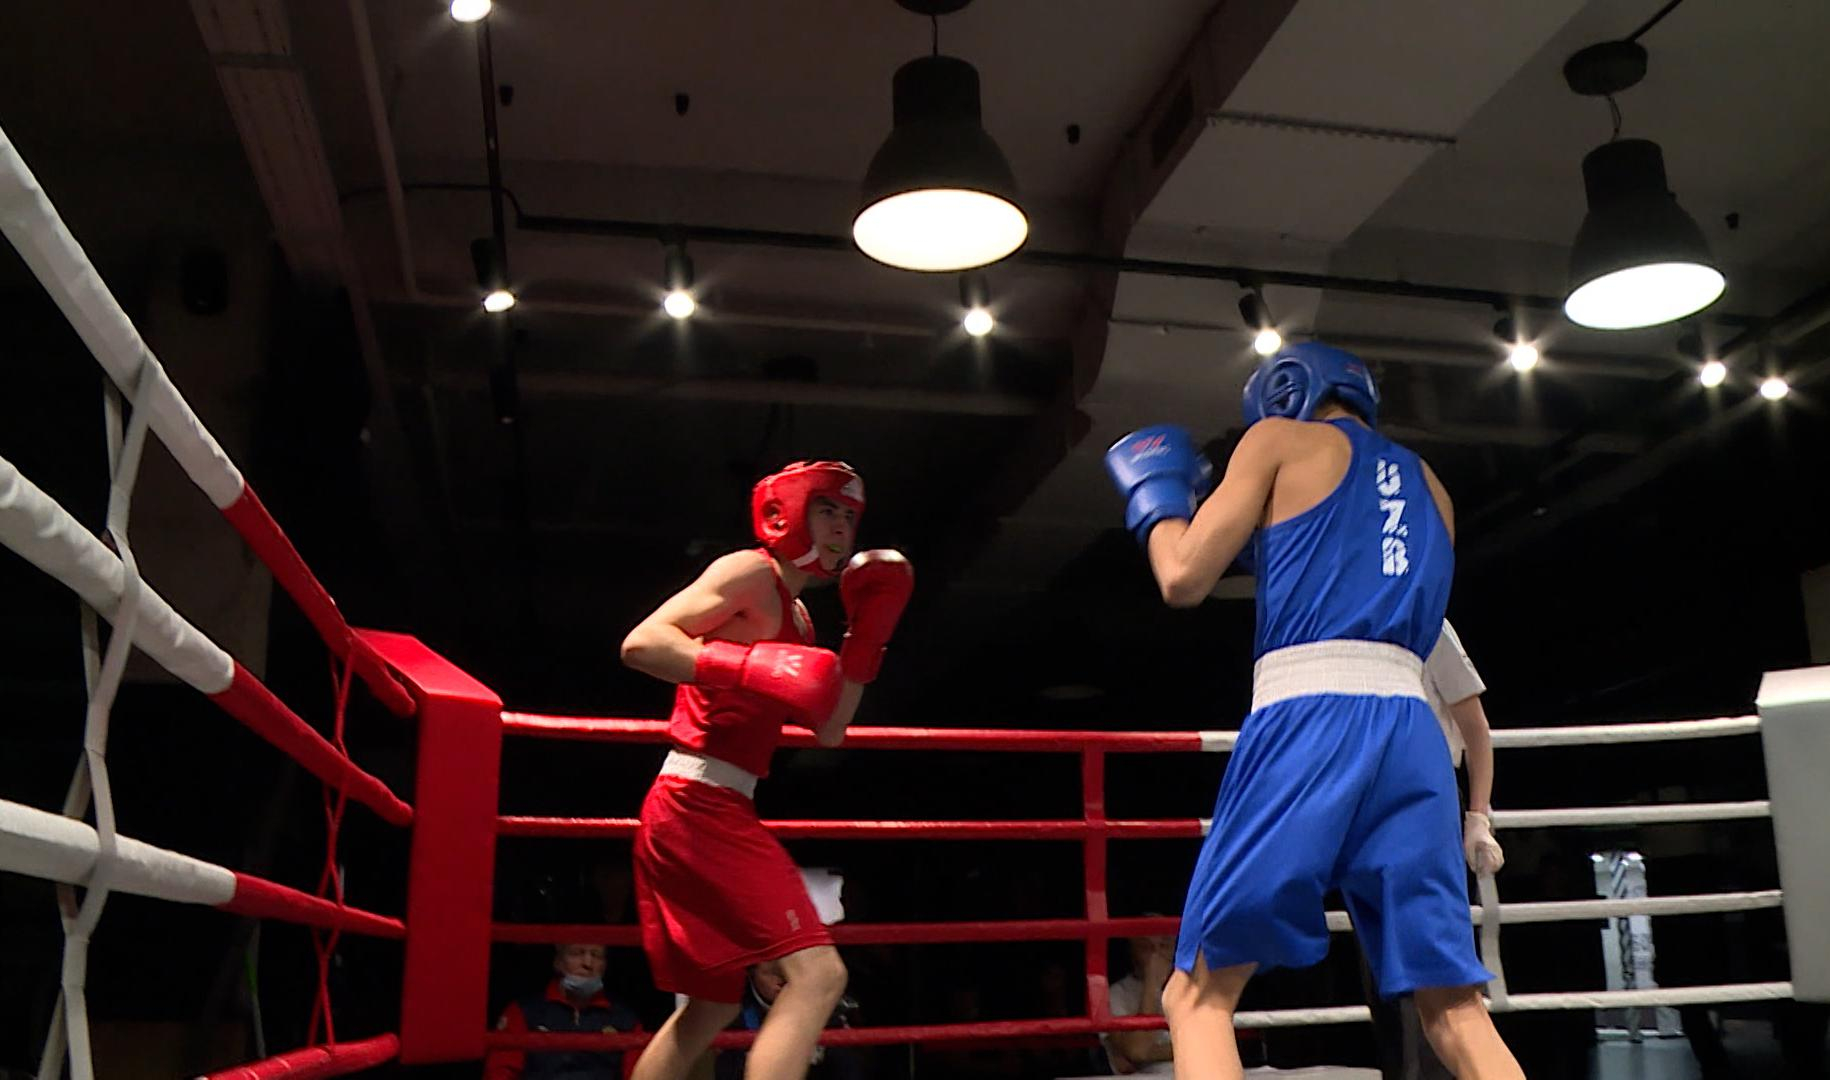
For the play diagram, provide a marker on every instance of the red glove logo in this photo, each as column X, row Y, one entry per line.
column 787, row 666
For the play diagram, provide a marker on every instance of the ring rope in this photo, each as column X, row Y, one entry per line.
column 1094, row 828
column 1012, row 930
column 1633, row 815
column 51, row 847
column 1278, row 1018
column 39, row 234
column 97, row 859
column 627, row 730
column 45, row 534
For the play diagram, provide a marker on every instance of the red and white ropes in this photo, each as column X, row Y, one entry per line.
column 65, row 849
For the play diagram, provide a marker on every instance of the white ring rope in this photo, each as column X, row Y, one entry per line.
column 1220, row 742
column 1547, row 911
column 47, row 536
column 1614, row 734
column 51, row 847
column 1666, row 814
column 1598, row 999
column 1632, row 815
column 39, row 235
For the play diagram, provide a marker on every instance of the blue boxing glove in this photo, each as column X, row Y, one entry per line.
column 1161, row 476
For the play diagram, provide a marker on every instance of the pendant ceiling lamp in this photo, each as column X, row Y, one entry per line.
column 939, row 195
column 1638, row 260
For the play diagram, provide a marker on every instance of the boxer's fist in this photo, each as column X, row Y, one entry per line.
column 1161, row 476
column 803, row 678
column 874, row 588
column 1478, row 843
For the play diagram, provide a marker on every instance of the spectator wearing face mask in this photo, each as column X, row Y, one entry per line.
column 574, row 1001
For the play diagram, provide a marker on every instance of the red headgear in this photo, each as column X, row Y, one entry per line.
column 779, row 505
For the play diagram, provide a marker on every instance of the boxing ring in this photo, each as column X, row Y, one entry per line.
column 456, row 820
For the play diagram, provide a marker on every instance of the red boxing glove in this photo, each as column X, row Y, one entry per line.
column 802, row 677
column 874, row 589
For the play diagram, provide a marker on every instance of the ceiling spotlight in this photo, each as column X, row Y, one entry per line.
column 1773, row 388
column 1521, row 354
column 487, row 259
column 1256, row 314
column 939, row 194
column 975, row 297
column 469, row 11
column 679, row 303
column 1712, row 373
column 1638, row 259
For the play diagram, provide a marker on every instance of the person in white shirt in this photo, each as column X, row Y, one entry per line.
column 1141, row 994
column 1455, row 690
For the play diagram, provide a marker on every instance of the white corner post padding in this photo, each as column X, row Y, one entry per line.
column 1795, row 736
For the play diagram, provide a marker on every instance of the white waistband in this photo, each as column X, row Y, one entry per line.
column 1367, row 668
column 709, row 770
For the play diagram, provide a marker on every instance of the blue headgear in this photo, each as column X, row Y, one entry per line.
column 1296, row 381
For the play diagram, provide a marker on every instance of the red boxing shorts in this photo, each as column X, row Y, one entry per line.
column 716, row 892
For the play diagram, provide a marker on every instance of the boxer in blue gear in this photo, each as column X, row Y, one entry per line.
column 1340, row 777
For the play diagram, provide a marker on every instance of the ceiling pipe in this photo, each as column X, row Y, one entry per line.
column 1454, row 354
column 538, row 304
column 1243, row 276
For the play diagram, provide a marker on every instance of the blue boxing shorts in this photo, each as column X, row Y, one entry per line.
column 1340, row 779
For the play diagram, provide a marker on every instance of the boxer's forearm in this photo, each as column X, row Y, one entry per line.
column 832, row 732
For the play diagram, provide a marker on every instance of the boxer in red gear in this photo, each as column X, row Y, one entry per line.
column 715, row 891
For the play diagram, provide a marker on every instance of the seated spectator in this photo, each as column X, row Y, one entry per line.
column 760, row 991
column 574, row 1001
column 1141, row 994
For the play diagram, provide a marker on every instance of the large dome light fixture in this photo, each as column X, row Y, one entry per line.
column 939, row 195
column 1638, row 260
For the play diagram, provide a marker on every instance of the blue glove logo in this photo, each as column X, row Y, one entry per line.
column 1154, row 446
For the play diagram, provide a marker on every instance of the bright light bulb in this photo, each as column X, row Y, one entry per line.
column 1713, row 372
column 498, row 301
column 940, row 229
column 679, row 304
column 1644, row 295
column 1774, row 388
column 978, row 322
column 1523, row 356
column 1267, row 342
column 470, row 10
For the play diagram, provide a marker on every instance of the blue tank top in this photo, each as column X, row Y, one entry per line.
column 1371, row 562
